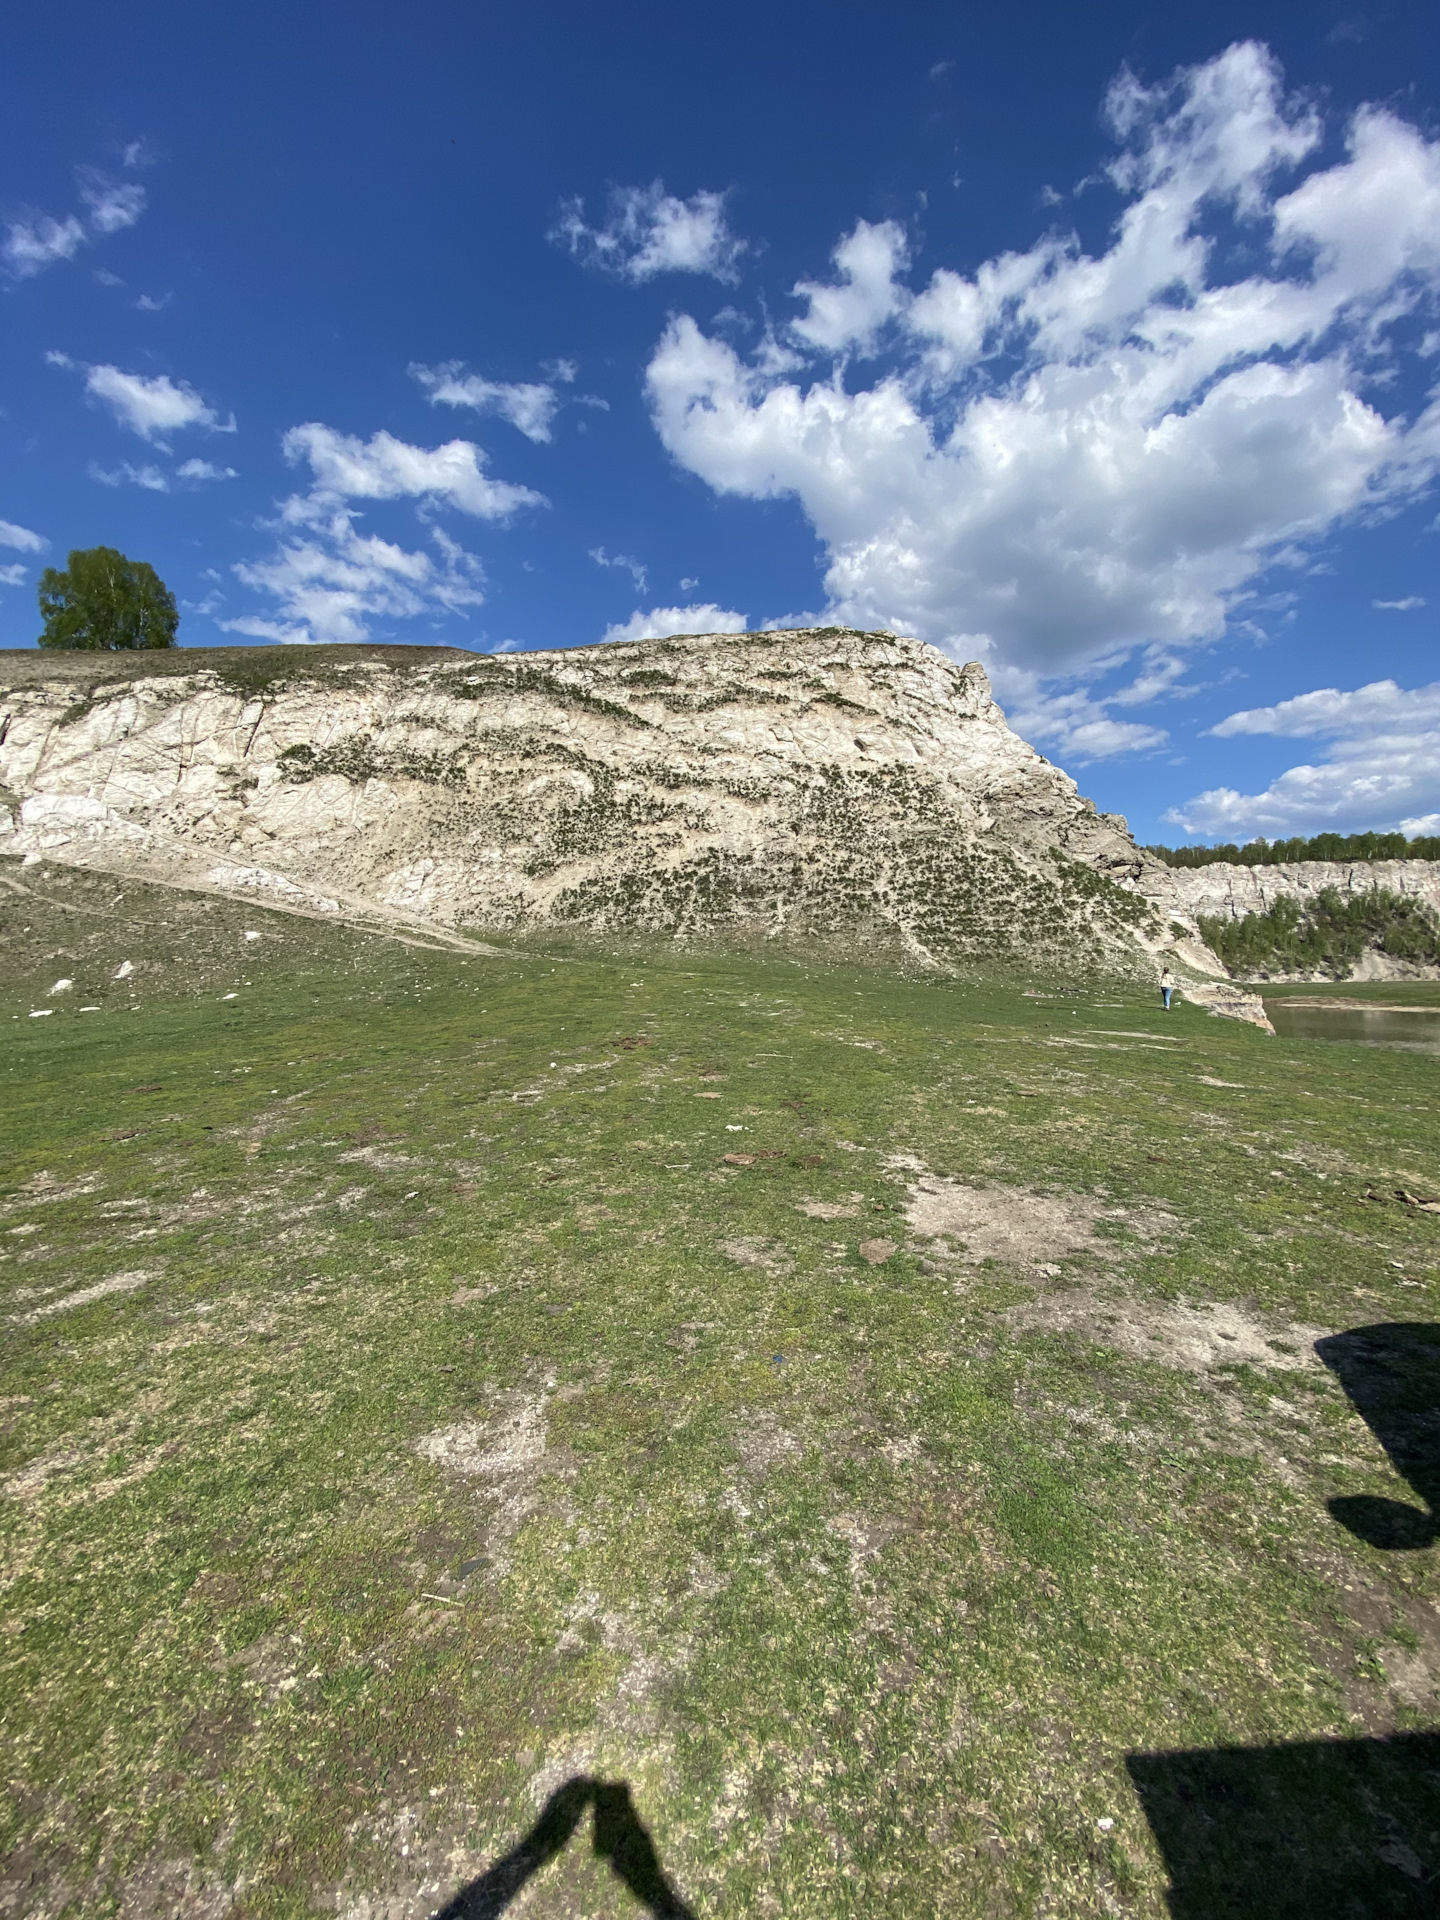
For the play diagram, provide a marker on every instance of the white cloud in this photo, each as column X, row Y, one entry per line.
column 662, row 622
column 204, row 470
column 13, row 575
column 1073, row 455
column 330, row 581
column 384, row 468
column 852, row 313
column 1407, row 605
column 37, row 241
column 32, row 245
column 650, row 231
column 21, row 538
column 1072, row 721
column 113, row 204
column 150, row 477
column 1380, row 766
column 1330, row 714
column 622, row 560
column 150, row 405
column 528, row 405
column 154, row 479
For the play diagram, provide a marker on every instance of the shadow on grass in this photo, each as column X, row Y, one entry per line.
column 1339, row 1829
column 618, row 1836
column 1392, row 1374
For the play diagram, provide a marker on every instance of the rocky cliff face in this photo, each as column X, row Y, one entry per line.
column 1227, row 892
column 815, row 782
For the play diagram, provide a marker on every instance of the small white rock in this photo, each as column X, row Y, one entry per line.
column 62, row 986
column 229, row 996
column 251, row 936
column 42, row 1013
column 1105, row 1825
column 124, row 970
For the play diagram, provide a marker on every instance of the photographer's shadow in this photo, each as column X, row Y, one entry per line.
column 618, row 1836
column 1391, row 1373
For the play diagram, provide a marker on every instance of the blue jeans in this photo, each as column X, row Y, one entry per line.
column 1167, row 991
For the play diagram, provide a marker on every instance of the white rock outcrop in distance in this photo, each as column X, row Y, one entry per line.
column 814, row 781
column 1225, row 891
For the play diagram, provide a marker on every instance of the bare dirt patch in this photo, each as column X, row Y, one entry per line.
column 506, row 1455
column 29, row 1481
column 117, row 1283
column 762, row 1443
column 43, row 1186
column 770, row 1256
column 1023, row 1229
column 831, row 1209
column 508, row 1443
column 1195, row 1339
column 378, row 1158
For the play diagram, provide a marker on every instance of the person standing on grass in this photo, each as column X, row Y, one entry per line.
column 1168, row 984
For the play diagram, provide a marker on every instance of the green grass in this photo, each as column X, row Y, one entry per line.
column 865, row 1578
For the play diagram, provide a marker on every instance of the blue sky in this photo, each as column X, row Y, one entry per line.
column 1098, row 343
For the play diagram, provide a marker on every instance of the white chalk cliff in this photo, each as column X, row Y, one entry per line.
column 819, row 781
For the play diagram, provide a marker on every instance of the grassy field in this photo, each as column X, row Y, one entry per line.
column 586, row 1432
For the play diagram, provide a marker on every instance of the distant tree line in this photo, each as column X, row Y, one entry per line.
column 1322, row 846
column 1326, row 935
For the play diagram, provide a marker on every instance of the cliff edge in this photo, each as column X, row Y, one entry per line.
column 815, row 782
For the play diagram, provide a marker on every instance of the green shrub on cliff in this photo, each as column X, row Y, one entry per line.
column 1326, row 936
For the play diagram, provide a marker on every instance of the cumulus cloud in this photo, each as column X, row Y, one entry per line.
column 1066, row 455
column 13, row 575
column 650, row 231
column 852, row 312
column 660, row 623
column 1072, row 721
column 202, row 470
column 1379, row 766
column 528, row 405
column 331, row 582
column 384, row 468
column 1329, row 714
column 152, row 405
column 21, row 538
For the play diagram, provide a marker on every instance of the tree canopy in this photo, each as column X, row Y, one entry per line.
column 1321, row 846
column 102, row 600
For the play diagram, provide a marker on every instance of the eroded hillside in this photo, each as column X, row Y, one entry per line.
column 815, row 782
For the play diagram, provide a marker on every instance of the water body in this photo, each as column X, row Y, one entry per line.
column 1416, row 1031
